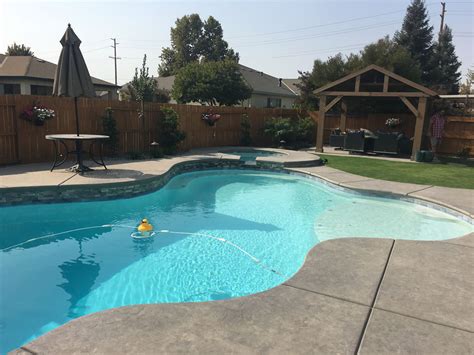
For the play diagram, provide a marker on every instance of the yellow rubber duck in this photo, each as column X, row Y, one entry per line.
column 145, row 227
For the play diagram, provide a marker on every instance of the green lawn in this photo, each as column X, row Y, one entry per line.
column 449, row 175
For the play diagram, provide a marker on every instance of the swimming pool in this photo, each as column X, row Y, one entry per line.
column 265, row 224
column 253, row 154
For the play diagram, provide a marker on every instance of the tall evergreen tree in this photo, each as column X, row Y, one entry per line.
column 446, row 71
column 192, row 39
column 416, row 36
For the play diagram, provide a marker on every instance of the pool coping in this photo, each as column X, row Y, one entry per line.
column 205, row 159
column 72, row 335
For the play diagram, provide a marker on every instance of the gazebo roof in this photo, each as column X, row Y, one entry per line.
column 421, row 91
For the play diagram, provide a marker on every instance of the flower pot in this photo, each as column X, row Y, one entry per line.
column 39, row 123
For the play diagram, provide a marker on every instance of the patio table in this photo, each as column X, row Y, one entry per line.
column 78, row 140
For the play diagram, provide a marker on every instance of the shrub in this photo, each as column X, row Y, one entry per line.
column 169, row 134
column 295, row 133
column 245, row 138
column 464, row 153
column 135, row 155
column 109, row 128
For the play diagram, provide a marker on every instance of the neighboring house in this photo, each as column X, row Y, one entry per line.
column 26, row 75
column 267, row 90
column 292, row 84
column 163, row 84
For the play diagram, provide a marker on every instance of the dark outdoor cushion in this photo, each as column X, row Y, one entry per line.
column 405, row 145
column 355, row 142
column 337, row 140
column 386, row 143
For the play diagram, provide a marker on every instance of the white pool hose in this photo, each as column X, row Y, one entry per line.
column 219, row 239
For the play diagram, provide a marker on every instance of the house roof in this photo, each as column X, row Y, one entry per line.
column 262, row 83
column 32, row 67
column 259, row 82
column 292, row 85
column 162, row 82
column 390, row 74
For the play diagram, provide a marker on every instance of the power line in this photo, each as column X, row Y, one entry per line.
column 316, row 51
column 321, row 25
column 95, row 49
column 322, row 34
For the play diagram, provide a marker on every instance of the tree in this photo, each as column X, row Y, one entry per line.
column 389, row 55
column 213, row 46
column 18, row 50
column 191, row 40
column 416, row 36
column 142, row 87
column 385, row 53
column 211, row 83
column 446, row 63
column 466, row 88
column 323, row 72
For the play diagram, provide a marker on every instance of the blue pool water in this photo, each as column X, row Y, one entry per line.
column 275, row 218
column 253, row 154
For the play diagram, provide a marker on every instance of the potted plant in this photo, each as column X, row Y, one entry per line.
column 38, row 114
column 392, row 122
column 210, row 118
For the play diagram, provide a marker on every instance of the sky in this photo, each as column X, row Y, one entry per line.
column 277, row 37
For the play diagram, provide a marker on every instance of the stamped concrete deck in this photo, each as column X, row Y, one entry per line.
column 355, row 295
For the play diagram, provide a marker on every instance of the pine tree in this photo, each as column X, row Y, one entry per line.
column 416, row 36
column 446, row 71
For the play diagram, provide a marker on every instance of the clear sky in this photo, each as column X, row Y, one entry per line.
column 277, row 37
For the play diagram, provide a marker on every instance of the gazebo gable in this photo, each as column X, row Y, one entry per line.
column 350, row 85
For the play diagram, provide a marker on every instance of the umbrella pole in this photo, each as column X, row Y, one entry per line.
column 77, row 116
column 79, row 167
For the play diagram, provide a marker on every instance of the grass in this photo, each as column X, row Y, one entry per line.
column 448, row 175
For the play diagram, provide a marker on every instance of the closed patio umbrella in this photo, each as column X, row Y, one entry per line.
column 73, row 79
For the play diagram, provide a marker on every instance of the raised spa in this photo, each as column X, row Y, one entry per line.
column 248, row 231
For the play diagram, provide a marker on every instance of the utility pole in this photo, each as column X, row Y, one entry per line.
column 115, row 57
column 443, row 10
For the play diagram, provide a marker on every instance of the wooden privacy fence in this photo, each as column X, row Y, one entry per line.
column 23, row 142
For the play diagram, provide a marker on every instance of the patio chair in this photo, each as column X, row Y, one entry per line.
column 386, row 143
column 358, row 142
column 336, row 139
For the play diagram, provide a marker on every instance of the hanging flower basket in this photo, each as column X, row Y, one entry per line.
column 210, row 118
column 37, row 114
column 393, row 122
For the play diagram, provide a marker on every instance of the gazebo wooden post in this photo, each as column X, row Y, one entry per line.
column 342, row 123
column 420, row 119
column 321, row 118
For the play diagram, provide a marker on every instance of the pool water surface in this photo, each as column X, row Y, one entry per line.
column 248, row 231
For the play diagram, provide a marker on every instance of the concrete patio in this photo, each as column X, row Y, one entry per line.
column 367, row 296
column 355, row 295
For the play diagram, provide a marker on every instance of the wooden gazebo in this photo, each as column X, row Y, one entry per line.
column 373, row 81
